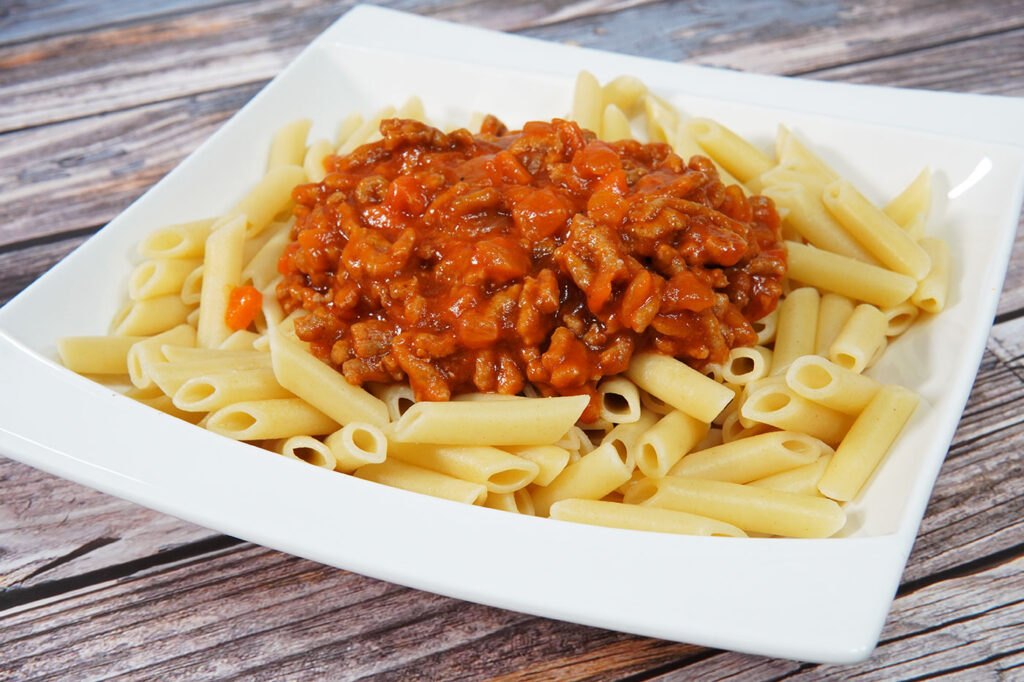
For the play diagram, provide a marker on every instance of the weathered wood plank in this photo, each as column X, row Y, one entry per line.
column 124, row 66
column 22, row 266
column 82, row 173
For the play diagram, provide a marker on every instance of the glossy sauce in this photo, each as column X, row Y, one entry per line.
column 544, row 256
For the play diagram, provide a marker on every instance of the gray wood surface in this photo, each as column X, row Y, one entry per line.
column 99, row 100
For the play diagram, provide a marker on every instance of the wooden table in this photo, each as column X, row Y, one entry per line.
column 99, row 100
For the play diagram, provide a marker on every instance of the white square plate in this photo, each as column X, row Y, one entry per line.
column 819, row 600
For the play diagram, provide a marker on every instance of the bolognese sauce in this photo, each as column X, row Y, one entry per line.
column 461, row 262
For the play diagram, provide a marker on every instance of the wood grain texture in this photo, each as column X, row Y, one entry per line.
column 100, row 100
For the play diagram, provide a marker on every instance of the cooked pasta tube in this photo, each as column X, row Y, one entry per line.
column 913, row 202
column 159, row 276
column 153, row 349
column 398, row 398
column 313, row 163
column 186, row 353
column 860, row 338
column 794, row 155
column 826, row 383
column 729, row 150
column 619, row 400
column 933, row 290
column 306, row 449
column 662, row 445
column 261, row 269
column 834, row 311
column 614, row 125
column 591, row 477
column 633, row 517
column 364, row 131
column 192, row 286
column 679, row 385
column 504, row 422
column 746, row 364
column 900, row 317
column 264, row 419
column 749, row 459
column 310, row 379
column 270, row 196
column 876, row 231
column 587, row 102
column 164, row 404
column 766, row 327
column 782, row 408
column 399, row 474
column 183, row 240
column 798, row 324
column 753, row 509
column 499, row 471
column 808, row 216
column 96, row 354
column 550, row 460
column 222, row 271
column 915, row 229
column 240, row 340
column 213, row 391
column 150, row 316
column 802, row 480
column 662, row 121
column 171, row 376
column 867, row 442
column 357, row 444
column 347, row 127
column 628, row 435
column 847, row 276
column 288, row 147
column 518, row 502
column 625, row 92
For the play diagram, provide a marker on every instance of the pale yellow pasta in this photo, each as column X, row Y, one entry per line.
column 397, row 397
column 782, row 408
column 172, row 375
column 662, row 445
column 591, row 477
column 886, row 241
column 263, row 419
column 625, row 92
column 239, row 340
column 192, row 287
column 288, row 147
column 261, row 269
column 794, row 155
column 633, row 517
column 357, row 444
column 933, row 290
column 505, row 422
column 742, row 159
column 413, row 108
column 754, row 509
column 749, row 459
column 766, row 327
column 860, row 339
column 806, row 214
column 164, row 404
column 679, row 385
column 654, row 404
column 213, row 391
column 307, row 377
column 518, row 502
column 159, row 277
column 867, row 442
column 150, row 316
column 619, row 400
column 398, row 474
column 828, row 384
column 219, row 358
column 797, row 327
column 685, row 145
column 364, row 131
column 222, row 271
column 661, row 120
column 860, row 281
column 270, row 196
column 313, row 163
column 901, row 316
column 834, row 311
column 550, row 460
column 183, row 240
column 306, row 449
column 349, row 125
column 499, row 471
column 614, row 124
column 913, row 203
column 746, row 364
column 915, row 229
column 802, row 480
column 587, row 102
column 782, row 176
column 96, row 354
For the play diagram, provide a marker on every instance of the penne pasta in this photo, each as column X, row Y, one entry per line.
column 96, row 354
column 620, row 400
column 213, row 391
column 591, row 477
column 618, row 515
column 797, row 326
column 288, row 148
column 159, row 277
column 679, row 385
column 784, row 409
column 661, row 446
column 833, row 312
column 355, row 445
column 860, row 339
column 729, row 150
column 222, row 271
column 499, row 471
column 263, row 419
column 831, row 385
column 398, row 474
column 183, row 240
column 306, row 449
column 933, row 290
column 849, row 277
column 749, row 459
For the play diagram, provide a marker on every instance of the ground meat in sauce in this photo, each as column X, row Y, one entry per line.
column 466, row 263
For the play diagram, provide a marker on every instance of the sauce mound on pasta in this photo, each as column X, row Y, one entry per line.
column 543, row 256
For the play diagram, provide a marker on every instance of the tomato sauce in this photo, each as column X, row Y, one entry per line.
column 543, row 256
